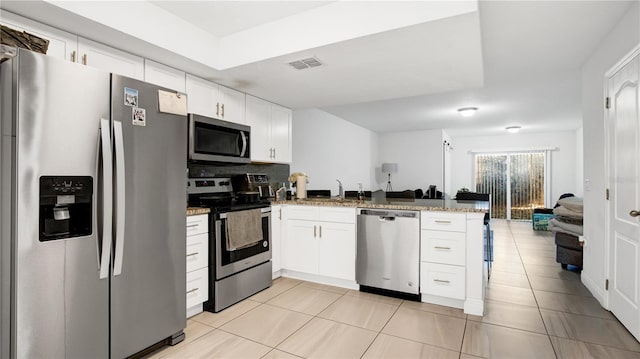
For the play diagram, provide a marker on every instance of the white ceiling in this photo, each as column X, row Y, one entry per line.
column 518, row 61
column 389, row 66
column 222, row 18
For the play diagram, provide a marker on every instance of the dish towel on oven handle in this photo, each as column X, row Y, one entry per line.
column 244, row 228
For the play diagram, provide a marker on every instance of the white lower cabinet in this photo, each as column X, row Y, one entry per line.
column 451, row 264
column 276, row 240
column 442, row 280
column 316, row 246
column 197, row 263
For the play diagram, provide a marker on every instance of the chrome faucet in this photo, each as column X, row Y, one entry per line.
column 340, row 190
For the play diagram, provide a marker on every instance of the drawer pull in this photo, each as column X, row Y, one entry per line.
column 192, row 225
column 442, row 222
column 192, row 290
column 441, row 281
column 444, row 248
column 193, row 254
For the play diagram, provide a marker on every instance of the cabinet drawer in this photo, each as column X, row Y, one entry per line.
column 444, row 221
column 197, row 224
column 337, row 214
column 443, row 247
column 306, row 213
column 197, row 287
column 197, row 251
column 442, row 280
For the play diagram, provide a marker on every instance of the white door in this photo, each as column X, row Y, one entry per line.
column 624, row 169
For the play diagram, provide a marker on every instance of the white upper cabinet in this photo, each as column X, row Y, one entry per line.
column 281, row 133
column 270, row 131
column 62, row 44
column 258, row 118
column 209, row 99
column 201, row 97
column 232, row 105
column 164, row 76
column 97, row 55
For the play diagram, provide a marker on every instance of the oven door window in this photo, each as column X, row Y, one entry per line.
column 228, row 257
column 214, row 140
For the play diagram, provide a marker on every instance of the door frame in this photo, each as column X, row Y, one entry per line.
column 508, row 153
column 631, row 55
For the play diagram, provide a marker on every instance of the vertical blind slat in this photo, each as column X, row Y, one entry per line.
column 526, row 178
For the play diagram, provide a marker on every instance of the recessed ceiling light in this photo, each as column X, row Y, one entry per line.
column 467, row 111
column 513, row 129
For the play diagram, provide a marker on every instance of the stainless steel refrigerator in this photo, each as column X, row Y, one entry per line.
column 92, row 254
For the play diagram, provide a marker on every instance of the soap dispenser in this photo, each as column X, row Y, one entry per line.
column 360, row 192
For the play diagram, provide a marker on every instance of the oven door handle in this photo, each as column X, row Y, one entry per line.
column 265, row 212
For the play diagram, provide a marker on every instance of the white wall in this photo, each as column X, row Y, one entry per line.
column 579, row 163
column 327, row 148
column 563, row 167
column 419, row 158
column 622, row 39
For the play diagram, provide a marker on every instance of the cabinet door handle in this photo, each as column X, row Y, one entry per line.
column 314, row 231
column 445, row 248
column 441, row 281
column 192, row 254
column 222, row 110
column 320, row 231
column 442, row 222
column 217, row 108
column 192, row 290
column 73, row 56
column 274, row 153
column 84, row 59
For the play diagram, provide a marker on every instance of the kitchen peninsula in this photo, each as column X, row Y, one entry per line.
column 315, row 240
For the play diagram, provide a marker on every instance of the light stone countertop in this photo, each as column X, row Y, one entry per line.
column 447, row 205
column 192, row 211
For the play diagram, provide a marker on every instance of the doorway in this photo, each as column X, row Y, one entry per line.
column 515, row 180
column 623, row 217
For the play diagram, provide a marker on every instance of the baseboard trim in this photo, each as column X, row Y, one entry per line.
column 320, row 279
column 474, row 307
column 595, row 290
column 448, row 302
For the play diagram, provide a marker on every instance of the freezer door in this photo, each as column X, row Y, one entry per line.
column 59, row 303
column 148, row 300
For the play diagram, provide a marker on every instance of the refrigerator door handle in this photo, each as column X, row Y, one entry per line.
column 120, row 198
column 107, row 181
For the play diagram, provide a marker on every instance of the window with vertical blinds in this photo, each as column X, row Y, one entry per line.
column 515, row 182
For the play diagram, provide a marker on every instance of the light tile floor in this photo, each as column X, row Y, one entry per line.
column 534, row 309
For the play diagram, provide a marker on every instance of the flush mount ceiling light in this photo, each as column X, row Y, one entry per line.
column 513, row 129
column 467, row 111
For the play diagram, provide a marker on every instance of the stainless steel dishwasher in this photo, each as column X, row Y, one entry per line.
column 388, row 250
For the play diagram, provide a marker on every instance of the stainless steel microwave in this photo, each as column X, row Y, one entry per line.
column 213, row 140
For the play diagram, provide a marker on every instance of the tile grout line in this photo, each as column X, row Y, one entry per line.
column 533, row 293
column 381, row 329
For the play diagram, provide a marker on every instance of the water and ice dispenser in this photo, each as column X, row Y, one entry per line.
column 66, row 205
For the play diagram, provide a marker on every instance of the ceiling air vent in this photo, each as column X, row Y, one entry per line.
column 305, row 63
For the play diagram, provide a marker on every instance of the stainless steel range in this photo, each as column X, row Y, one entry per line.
column 239, row 245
